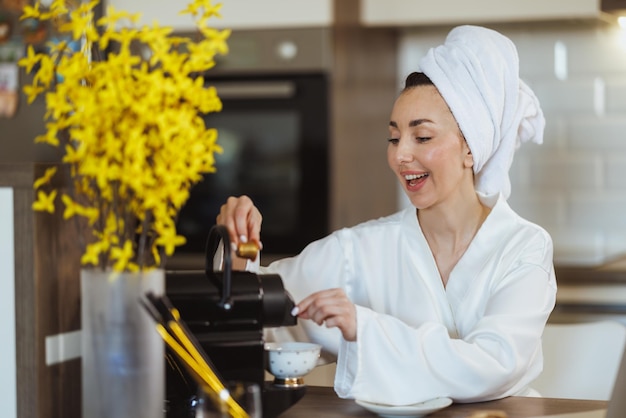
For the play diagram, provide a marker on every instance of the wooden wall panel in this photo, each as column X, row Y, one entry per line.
column 364, row 89
column 28, row 389
column 57, row 269
column 47, row 293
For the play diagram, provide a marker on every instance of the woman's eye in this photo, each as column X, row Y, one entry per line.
column 423, row 138
column 393, row 141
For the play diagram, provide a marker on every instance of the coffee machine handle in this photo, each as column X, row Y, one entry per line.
column 216, row 233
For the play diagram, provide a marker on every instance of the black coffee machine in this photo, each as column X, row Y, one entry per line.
column 226, row 311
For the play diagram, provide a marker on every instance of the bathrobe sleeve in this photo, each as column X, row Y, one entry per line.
column 477, row 339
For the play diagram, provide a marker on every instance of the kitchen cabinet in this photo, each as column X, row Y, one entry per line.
column 236, row 14
column 427, row 12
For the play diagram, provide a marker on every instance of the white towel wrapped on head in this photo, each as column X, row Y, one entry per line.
column 476, row 71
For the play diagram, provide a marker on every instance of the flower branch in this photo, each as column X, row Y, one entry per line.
column 129, row 128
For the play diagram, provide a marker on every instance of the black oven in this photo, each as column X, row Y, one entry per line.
column 274, row 132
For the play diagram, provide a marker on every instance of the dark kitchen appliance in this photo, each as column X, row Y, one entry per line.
column 226, row 311
column 273, row 129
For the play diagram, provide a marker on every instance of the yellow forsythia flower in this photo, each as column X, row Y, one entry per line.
column 129, row 126
column 170, row 240
column 45, row 202
column 92, row 254
column 30, row 60
column 45, row 179
column 122, row 255
column 30, row 12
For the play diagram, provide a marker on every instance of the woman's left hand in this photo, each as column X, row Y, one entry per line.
column 333, row 308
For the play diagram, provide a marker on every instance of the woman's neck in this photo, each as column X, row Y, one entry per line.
column 453, row 219
column 450, row 227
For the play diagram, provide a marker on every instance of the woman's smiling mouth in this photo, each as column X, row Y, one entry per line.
column 414, row 179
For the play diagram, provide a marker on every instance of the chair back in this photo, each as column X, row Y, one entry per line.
column 581, row 360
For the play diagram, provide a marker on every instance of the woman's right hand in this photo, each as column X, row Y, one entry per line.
column 242, row 219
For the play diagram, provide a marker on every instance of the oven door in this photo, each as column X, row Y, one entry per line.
column 274, row 133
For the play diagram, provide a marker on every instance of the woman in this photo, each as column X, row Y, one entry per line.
column 448, row 298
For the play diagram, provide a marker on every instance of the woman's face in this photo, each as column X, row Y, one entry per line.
column 426, row 150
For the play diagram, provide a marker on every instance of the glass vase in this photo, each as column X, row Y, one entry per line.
column 123, row 367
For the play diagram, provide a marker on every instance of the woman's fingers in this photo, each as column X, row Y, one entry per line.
column 332, row 308
column 241, row 218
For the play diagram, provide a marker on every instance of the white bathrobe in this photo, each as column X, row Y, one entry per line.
column 478, row 338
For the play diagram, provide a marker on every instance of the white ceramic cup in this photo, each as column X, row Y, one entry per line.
column 291, row 360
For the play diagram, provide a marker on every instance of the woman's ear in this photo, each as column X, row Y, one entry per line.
column 468, row 161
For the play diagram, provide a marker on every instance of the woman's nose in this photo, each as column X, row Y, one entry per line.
column 404, row 152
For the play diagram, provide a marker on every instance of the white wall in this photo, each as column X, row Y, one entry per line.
column 8, row 392
column 574, row 185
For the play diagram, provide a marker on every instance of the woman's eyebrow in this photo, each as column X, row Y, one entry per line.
column 413, row 123
column 417, row 122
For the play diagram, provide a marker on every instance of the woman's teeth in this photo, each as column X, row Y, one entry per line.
column 412, row 178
